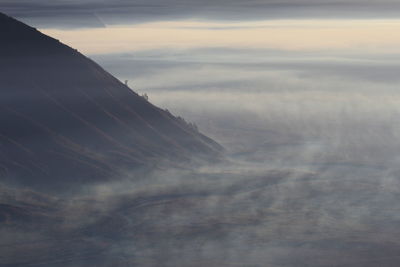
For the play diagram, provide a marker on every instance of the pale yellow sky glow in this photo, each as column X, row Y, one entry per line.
column 297, row 35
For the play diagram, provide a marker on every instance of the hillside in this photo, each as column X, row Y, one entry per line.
column 65, row 120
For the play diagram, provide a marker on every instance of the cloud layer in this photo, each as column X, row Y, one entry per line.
column 96, row 13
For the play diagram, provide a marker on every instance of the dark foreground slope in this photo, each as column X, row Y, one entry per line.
column 64, row 119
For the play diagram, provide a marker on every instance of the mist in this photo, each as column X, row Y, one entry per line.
column 275, row 107
column 310, row 175
column 317, row 137
column 237, row 213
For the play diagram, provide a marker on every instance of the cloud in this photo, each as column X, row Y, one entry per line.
column 43, row 13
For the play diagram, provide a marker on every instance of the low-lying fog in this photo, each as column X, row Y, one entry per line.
column 311, row 177
column 313, row 141
column 281, row 109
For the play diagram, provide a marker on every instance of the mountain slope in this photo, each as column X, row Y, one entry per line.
column 66, row 120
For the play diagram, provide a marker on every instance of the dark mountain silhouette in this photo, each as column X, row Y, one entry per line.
column 65, row 120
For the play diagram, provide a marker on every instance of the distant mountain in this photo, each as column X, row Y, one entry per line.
column 64, row 120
